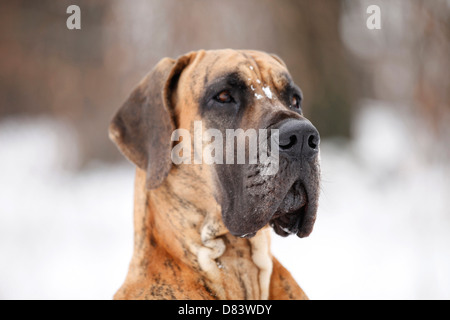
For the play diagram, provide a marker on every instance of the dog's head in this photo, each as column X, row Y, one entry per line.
column 242, row 96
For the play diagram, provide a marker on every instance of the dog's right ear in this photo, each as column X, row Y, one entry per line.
column 143, row 126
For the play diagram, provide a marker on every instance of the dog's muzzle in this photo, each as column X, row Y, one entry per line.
column 299, row 142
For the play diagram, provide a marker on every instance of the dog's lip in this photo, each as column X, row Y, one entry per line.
column 289, row 223
column 309, row 214
column 297, row 220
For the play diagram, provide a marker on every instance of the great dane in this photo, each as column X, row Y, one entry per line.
column 202, row 230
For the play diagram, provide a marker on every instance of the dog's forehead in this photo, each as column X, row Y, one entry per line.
column 251, row 66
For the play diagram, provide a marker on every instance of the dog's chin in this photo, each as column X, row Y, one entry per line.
column 289, row 208
column 296, row 213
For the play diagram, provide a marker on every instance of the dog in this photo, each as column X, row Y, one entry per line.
column 202, row 231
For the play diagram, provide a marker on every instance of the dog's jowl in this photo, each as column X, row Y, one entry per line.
column 202, row 228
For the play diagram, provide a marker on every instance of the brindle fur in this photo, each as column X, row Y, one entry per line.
column 182, row 248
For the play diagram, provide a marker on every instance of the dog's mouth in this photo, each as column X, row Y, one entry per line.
column 295, row 215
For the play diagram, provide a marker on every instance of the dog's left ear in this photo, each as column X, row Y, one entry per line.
column 143, row 126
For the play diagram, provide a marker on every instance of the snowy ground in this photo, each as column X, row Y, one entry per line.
column 382, row 230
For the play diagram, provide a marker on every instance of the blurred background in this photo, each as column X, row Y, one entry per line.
column 380, row 99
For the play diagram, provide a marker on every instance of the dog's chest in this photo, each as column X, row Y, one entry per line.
column 239, row 273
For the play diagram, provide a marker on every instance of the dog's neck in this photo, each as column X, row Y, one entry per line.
column 183, row 218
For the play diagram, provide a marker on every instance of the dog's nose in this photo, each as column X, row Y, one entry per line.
column 299, row 138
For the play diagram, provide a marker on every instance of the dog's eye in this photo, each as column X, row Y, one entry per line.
column 296, row 102
column 224, row 97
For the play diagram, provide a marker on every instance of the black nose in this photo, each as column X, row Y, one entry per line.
column 299, row 138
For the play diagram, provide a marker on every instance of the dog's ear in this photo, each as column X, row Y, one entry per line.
column 143, row 126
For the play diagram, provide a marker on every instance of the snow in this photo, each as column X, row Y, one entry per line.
column 382, row 230
column 62, row 235
column 267, row 92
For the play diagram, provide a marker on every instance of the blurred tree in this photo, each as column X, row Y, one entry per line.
column 309, row 40
column 84, row 75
